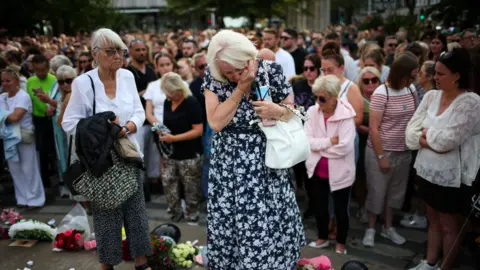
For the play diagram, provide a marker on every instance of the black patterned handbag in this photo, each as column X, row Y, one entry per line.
column 109, row 190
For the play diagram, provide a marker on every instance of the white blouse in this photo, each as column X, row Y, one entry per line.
column 456, row 131
column 126, row 104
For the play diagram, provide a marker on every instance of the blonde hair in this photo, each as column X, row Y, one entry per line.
column 364, row 70
column 453, row 45
column 232, row 48
column 172, row 83
column 329, row 84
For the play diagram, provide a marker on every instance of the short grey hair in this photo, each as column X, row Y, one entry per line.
column 329, row 84
column 105, row 35
column 198, row 56
column 59, row 60
column 64, row 72
column 231, row 47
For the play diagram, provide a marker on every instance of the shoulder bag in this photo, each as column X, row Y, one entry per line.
column 287, row 142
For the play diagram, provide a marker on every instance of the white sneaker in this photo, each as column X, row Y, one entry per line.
column 362, row 215
column 324, row 245
column 369, row 238
column 416, row 222
column 392, row 234
column 424, row 266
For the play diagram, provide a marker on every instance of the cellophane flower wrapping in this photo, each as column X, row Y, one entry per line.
column 29, row 229
column 73, row 230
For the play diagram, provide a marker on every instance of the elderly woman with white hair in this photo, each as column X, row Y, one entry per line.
column 183, row 116
column 331, row 132
column 253, row 217
column 113, row 89
column 57, row 61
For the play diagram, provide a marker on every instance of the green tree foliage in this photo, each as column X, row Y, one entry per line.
column 350, row 7
column 65, row 16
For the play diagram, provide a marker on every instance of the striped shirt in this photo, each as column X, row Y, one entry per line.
column 398, row 108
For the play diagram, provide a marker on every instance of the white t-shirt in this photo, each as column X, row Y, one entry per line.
column 285, row 60
column 155, row 94
column 20, row 100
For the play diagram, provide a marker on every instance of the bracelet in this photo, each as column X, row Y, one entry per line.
column 238, row 102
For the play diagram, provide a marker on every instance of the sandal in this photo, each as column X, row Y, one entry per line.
column 142, row 267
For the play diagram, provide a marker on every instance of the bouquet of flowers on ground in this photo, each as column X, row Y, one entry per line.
column 69, row 240
column 184, row 254
column 10, row 216
column 317, row 263
column 73, row 230
column 162, row 253
column 29, row 229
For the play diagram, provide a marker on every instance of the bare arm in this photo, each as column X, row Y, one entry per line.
column 219, row 115
column 195, row 132
column 375, row 120
column 62, row 110
column 16, row 115
column 149, row 113
column 355, row 98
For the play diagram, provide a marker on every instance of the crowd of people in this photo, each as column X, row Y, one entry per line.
column 392, row 120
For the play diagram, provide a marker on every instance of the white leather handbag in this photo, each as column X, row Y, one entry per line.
column 287, row 142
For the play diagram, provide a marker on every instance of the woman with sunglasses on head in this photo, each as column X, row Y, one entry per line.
column 387, row 159
column 303, row 96
column 446, row 130
column 109, row 88
column 331, row 132
column 376, row 59
column 16, row 109
column 369, row 81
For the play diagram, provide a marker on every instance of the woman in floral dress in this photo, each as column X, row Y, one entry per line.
column 253, row 217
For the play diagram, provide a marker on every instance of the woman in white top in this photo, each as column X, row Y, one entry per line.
column 446, row 130
column 115, row 90
column 25, row 171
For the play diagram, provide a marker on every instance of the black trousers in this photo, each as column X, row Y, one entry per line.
column 300, row 174
column 320, row 189
column 45, row 143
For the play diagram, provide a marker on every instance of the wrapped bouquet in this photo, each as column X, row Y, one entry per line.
column 69, row 240
column 32, row 230
column 9, row 217
column 162, row 253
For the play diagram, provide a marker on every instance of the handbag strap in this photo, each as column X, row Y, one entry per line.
column 93, row 89
column 69, row 157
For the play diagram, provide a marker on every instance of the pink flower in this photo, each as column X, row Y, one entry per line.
column 60, row 243
column 68, row 233
column 78, row 236
column 3, row 216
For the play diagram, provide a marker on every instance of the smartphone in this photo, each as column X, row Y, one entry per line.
column 264, row 94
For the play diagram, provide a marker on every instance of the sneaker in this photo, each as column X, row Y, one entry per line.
column 169, row 211
column 323, row 245
column 369, row 238
column 392, row 234
column 424, row 266
column 407, row 216
column 416, row 222
column 362, row 215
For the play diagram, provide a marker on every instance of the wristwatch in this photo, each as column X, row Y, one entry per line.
column 380, row 157
column 127, row 129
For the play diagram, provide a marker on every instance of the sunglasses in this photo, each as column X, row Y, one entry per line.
column 311, row 69
column 285, row 37
column 112, row 52
column 135, row 41
column 202, row 66
column 392, row 45
column 67, row 81
column 370, row 80
column 322, row 99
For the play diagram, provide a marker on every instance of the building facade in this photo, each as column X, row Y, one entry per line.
column 311, row 14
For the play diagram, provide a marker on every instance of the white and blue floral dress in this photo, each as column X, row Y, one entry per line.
column 253, row 219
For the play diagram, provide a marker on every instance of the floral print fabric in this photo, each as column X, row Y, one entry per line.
column 253, row 218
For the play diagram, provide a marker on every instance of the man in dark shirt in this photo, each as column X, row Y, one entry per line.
column 144, row 74
column 200, row 62
column 289, row 43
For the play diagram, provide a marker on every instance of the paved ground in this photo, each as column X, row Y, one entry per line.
column 385, row 255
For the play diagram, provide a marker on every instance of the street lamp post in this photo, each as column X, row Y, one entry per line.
column 212, row 16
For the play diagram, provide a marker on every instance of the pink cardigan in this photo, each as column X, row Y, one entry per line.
column 341, row 157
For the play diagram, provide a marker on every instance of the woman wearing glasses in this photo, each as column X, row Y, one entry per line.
column 446, row 129
column 84, row 63
column 331, row 132
column 16, row 108
column 116, row 91
column 387, row 159
column 369, row 81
